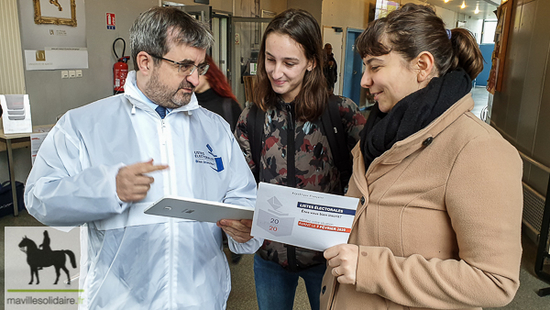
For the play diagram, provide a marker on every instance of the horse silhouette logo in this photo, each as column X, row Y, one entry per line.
column 45, row 257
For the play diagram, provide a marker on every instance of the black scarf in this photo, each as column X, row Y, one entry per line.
column 412, row 113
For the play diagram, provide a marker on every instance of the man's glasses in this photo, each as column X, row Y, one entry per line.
column 186, row 67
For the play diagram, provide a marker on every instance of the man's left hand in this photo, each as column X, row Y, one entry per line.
column 239, row 230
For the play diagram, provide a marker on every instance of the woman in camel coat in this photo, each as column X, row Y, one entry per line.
column 439, row 220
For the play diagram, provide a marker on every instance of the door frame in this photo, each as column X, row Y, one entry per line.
column 350, row 54
column 237, row 65
column 224, row 54
column 221, row 52
column 330, row 32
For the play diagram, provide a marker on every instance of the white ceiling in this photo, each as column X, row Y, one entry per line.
column 486, row 7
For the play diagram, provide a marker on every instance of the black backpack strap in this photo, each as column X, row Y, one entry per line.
column 254, row 125
column 337, row 139
column 227, row 111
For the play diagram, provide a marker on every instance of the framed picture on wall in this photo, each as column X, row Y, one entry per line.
column 57, row 12
column 51, row 36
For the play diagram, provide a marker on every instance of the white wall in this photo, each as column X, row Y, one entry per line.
column 451, row 18
column 352, row 13
column 312, row 6
column 448, row 17
column 35, row 34
column 276, row 6
column 475, row 26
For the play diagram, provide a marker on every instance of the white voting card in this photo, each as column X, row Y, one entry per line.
column 198, row 210
column 302, row 218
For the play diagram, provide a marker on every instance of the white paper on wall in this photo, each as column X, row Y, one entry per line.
column 54, row 59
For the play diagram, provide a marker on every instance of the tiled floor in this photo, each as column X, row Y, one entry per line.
column 243, row 294
column 481, row 97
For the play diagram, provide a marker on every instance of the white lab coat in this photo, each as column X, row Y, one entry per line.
column 134, row 260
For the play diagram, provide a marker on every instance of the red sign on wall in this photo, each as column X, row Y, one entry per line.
column 111, row 21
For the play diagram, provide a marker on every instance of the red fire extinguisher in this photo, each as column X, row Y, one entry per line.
column 120, row 69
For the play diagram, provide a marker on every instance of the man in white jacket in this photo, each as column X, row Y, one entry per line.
column 104, row 163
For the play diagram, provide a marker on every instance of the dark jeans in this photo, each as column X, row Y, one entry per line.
column 276, row 287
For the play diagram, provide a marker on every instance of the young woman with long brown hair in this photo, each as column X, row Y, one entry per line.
column 291, row 92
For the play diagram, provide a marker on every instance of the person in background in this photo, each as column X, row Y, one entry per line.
column 291, row 95
column 330, row 68
column 104, row 163
column 214, row 93
column 439, row 220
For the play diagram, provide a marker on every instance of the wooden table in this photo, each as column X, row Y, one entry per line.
column 11, row 142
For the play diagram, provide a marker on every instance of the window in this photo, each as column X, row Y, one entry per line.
column 488, row 34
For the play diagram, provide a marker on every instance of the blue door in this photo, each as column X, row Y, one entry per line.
column 353, row 67
column 487, row 52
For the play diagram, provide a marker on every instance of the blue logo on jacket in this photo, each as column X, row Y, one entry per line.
column 209, row 158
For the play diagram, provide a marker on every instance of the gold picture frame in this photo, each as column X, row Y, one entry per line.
column 39, row 19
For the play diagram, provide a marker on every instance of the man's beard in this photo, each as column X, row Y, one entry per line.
column 162, row 95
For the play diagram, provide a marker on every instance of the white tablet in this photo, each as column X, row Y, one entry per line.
column 199, row 210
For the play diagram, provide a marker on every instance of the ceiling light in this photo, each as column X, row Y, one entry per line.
column 477, row 8
column 463, row 5
column 446, row 1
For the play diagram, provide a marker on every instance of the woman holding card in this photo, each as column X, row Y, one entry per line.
column 439, row 222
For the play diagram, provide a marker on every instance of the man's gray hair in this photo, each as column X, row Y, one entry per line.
column 159, row 28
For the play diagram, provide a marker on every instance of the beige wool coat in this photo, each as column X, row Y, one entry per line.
column 439, row 222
